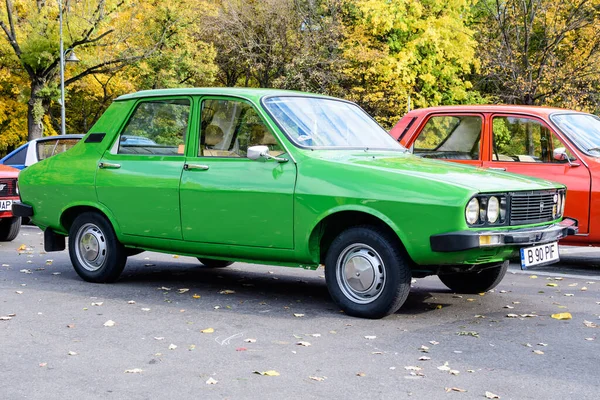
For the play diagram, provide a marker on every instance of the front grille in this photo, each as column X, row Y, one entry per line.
column 531, row 207
column 8, row 187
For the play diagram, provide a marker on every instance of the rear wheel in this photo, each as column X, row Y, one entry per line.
column 9, row 228
column 212, row 263
column 475, row 282
column 95, row 252
column 367, row 275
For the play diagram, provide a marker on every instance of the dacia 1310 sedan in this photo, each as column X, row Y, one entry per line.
column 285, row 178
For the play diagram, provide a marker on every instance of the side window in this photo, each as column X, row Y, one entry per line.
column 229, row 127
column 523, row 140
column 18, row 158
column 156, row 128
column 45, row 148
column 64, row 145
column 450, row 137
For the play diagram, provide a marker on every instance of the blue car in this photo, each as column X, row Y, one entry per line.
column 39, row 149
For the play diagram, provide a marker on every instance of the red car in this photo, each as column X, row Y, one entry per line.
column 9, row 224
column 550, row 143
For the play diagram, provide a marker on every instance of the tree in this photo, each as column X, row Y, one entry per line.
column 110, row 32
column 401, row 51
column 540, row 51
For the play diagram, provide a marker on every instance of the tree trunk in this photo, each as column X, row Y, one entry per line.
column 35, row 111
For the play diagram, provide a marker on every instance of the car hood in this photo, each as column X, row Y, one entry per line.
column 8, row 172
column 480, row 179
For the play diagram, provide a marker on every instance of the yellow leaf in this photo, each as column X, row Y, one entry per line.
column 196, row 296
column 207, row 330
column 551, row 284
column 270, row 372
column 22, row 247
column 562, row 316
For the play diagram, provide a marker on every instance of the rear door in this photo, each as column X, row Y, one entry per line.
column 524, row 145
column 139, row 182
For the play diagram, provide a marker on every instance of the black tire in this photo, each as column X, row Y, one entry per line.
column 475, row 282
column 9, row 228
column 95, row 252
column 212, row 263
column 383, row 265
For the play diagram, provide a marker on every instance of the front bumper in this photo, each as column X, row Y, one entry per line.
column 466, row 240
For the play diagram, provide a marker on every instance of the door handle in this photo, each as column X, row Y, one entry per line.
column 189, row 167
column 497, row 168
column 106, row 165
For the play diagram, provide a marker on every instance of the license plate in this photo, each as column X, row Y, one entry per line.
column 542, row 254
column 5, row 205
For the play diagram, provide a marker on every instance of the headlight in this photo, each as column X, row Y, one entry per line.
column 472, row 211
column 493, row 210
column 563, row 200
column 558, row 205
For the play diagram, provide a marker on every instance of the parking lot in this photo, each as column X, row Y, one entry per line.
column 172, row 329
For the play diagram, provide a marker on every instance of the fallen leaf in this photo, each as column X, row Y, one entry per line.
column 131, row 302
column 109, row 323
column 98, row 304
column 589, row 339
column 444, row 367
column 305, row 344
column 538, row 352
column 552, row 284
column 71, row 326
column 361, row 374
column 145, row 309
column 172, row 346
column 433, row 342
column 227, row 291
column 241, row 349
column 134, row 371
column 48, row 262
column 542, row 344
column 454, row 389
column 424, row 349
column 72, row 353
column 196, row 296
column 207, row 330
column 164, row 288
column 212, row 381
column 527, row 315
column 159, row 338
column 22, row 247
column 424, row 358
column 468, row 333
column 491, row 395
column 509, row 307
column 42, row 364
column 562, row 316
column 572, row 284
column 250, row 340
column 192, row 347
column 298, row 315
column 512, row 316
column 19, row 292
column 590, row 324
column 5, row 318
column 533, row 276
column 267, row 373
column 583, row 288
column 413, row 368
column 183, row 291
column 26, row 271
column 317, row 378
column 370, row 337
column 454, row 372
column 569, row 295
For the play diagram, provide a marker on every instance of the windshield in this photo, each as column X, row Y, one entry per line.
column 326, row 123
column 582, row 129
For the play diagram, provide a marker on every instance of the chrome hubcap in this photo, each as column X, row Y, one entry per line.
column 360, row 273
column 91, row 247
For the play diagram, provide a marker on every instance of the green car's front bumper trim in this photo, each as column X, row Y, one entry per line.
column 466, row 240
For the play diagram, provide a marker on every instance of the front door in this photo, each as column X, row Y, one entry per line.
column 138, row 179
column 455, row 137
column 227, row 198
column 525, row 145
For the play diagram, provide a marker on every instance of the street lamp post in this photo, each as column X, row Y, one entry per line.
column 72, row 58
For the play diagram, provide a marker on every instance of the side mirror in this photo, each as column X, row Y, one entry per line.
column 560, row 154
column 256, row 152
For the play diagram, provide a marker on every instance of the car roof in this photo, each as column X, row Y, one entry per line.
column 216, row 91
column 493, row 108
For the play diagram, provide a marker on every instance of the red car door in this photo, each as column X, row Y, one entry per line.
column 525, row 145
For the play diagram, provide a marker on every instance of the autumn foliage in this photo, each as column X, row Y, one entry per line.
column 387, row 55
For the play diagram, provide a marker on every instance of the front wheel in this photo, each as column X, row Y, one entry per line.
column 366, row 272
column 96, row 253
column 9, row 228
column 475, row 282
column 212, row 263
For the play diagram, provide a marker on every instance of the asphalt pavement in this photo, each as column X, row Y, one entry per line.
column 171, row 329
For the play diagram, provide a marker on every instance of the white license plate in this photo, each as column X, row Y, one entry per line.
column 5, row 205
column 542, row 254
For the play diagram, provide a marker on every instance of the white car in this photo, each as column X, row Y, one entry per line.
column 39, row 149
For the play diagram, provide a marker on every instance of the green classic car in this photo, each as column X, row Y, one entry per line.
column 284, row 178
